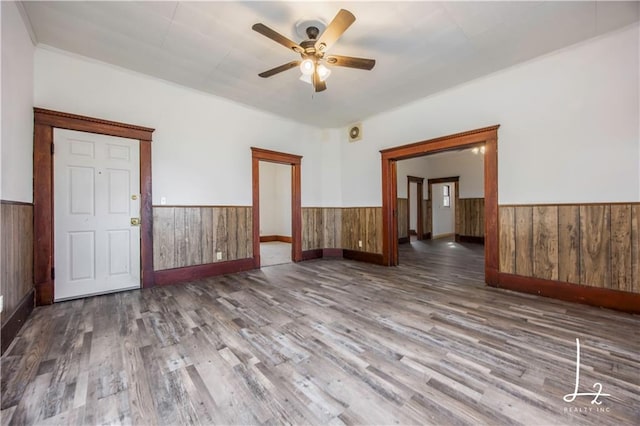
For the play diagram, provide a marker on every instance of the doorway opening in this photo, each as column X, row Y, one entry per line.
column 443, row 200
column 486, row 138
column 415, row 208
column 269, row 171
column 275, row 214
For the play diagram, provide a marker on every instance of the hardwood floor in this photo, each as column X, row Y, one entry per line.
column 325, row 342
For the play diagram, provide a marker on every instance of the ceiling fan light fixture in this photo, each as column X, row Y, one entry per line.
column 306, row 79
column 307, row 67
column 323, row 72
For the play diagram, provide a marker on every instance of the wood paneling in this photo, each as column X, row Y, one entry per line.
column 312, row 228
column 635, row 248
column 569, row 244
column 332, row 228
column 545, row 242
column 188, row 236
column 321, row 228
column 403, row 226
column 507, row 240
column 16, row 269
column 362, row 224
column 595, row 245
column 524, row 241
column 621, row 271
column 590, row 244
column 470, row 217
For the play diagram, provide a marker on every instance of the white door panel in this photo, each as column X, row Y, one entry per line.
column 97, row 250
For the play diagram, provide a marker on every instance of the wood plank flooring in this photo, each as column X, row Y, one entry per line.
column 325, row 342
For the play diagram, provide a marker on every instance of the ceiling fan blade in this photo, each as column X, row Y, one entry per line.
column 276, row 70
column 351, row 62
column 318, row 85
column 277, row 37
column 334, row 30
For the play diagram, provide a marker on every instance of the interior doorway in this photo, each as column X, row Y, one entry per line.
column 444, row 197
column 485, row 137
column 294, row 246
column 415, row 207
column 275, row 213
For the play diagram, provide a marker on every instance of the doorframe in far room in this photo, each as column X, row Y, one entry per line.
column 295, row 161
column 419, row 181
column 487, row 136
column 43, row 200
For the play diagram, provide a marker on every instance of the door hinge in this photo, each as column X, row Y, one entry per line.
column 52, row 148
column 53, row 273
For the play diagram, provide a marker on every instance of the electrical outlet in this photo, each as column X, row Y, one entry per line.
column 360, row 243
column 1, row 303
column 163, row 201
column 218, row 255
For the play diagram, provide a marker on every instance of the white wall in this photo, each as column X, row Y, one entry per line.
column 201, row 146
column 569, row 126
column 465, row 164
column 275, row 199
column 443, row 217
column 17, row 107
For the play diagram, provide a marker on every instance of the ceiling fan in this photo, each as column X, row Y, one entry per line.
column 313, row 51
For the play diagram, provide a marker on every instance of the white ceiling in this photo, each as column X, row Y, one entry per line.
column 420, row 47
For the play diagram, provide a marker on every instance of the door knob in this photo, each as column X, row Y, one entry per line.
column 135, row 221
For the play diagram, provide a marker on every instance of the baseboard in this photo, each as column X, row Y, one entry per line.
column 404, row 240
column 322, row 253
column 594, row 296
column 312, row 254
column 332, row 252
column 363, row 256
column 190, row 273
column 17, row 319
column 272, row 238
column 426, row 236
column 412, row 232
column 436, row 237
column 469, row 239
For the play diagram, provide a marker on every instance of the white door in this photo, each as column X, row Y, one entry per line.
column 96, row 194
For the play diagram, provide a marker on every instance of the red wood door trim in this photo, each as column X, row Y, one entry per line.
column 419, row 213
column 295, row 161
column 487, row 136
column 43, row 256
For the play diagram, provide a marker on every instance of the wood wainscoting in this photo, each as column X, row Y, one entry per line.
column 593, row 246
column 470, row 220
column 187, row 240
column 362, row 224
column 335, row 232
column 16, row 267
column 321, row 228
column 193, row 235
column 403, row 227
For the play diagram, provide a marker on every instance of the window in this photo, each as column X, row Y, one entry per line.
column 446, row 196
